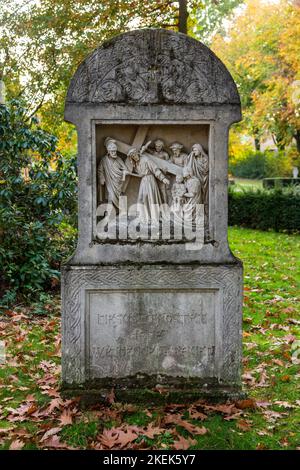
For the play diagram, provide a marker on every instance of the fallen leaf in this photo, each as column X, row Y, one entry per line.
column 183, row 444
column 66, row 417
column 285, row 378
column 178, row 421
column 195, row 414
column 243, row 425
column 110, row 397
column 289, row 338
column 16, row 445
column 152, row 431
column 108, row 438
column 55, row 403
column 54, row 442
column 243, row 404
column 49, row 433
column 126, row 436
column 278, row 362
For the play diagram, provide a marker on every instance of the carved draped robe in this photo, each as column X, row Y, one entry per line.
column 149, row 193
column 110, row 173
column 199, row 166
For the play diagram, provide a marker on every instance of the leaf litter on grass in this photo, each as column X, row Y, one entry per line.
column 33, row 414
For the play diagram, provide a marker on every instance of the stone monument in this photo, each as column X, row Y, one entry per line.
column 153, row 295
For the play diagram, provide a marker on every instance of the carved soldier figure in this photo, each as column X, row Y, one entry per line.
column 149, row 195
column 159, row 151
column 110, row 173
column 178, row 157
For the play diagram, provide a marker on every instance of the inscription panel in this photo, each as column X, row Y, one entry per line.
column 151, row 331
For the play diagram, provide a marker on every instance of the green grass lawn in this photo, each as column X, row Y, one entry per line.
column 34, row 415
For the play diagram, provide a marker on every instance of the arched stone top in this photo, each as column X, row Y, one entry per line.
column 153, row 66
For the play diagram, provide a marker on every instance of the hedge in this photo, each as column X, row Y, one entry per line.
column 277, row 209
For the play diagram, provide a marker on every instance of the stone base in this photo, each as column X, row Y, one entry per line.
column 154, row 397
column 134, row 328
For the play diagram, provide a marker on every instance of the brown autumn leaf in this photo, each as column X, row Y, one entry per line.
column 184, row 444
column 21, row 432
column 23, row 410
column 289, row 338
column 285, row 378
column 288, row 310
column 49, row 433
column 110, row 397
column 108, row 438
column 6, row 430
column 55, row 403
column 16, row 445
column 263, row 404
column 178, row 421
column 272, row 416
column 66, row 417
column 262, row 379
column 52, row 392
column 244, row 404
column 30, row 398
column 278, row 362
column 248, row 378
column 227, row 409
column 243, row 425
column 152, row 431
column 54, row 442
column 126, row 436
column 195, row 414
column 233, row 417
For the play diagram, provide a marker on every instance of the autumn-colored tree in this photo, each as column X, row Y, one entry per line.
column 262, row 50
column 42, row 43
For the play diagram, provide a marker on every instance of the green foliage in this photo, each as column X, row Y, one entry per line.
column 209, row 19
column 45, row 41
column 261, row 50
column 37, row 195
column 259, row 165
column 277, row 209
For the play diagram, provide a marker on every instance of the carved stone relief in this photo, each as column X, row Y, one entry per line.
column 170, row 178
column 153, row 66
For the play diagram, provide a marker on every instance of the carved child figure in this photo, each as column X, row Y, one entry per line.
column 178, row 191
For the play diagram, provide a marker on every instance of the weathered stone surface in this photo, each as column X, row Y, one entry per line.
column 163, row 322
column 153, row 66
column 142, row 312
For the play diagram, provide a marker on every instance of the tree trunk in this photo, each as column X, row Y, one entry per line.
column 183, row 16
column 297, row 138
column 257, row 144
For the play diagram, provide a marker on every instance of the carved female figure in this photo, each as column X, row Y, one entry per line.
column 197, row 161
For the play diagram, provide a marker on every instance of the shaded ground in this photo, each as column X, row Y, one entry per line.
column 33, row 415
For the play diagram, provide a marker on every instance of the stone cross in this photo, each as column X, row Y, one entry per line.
column 138, row 141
